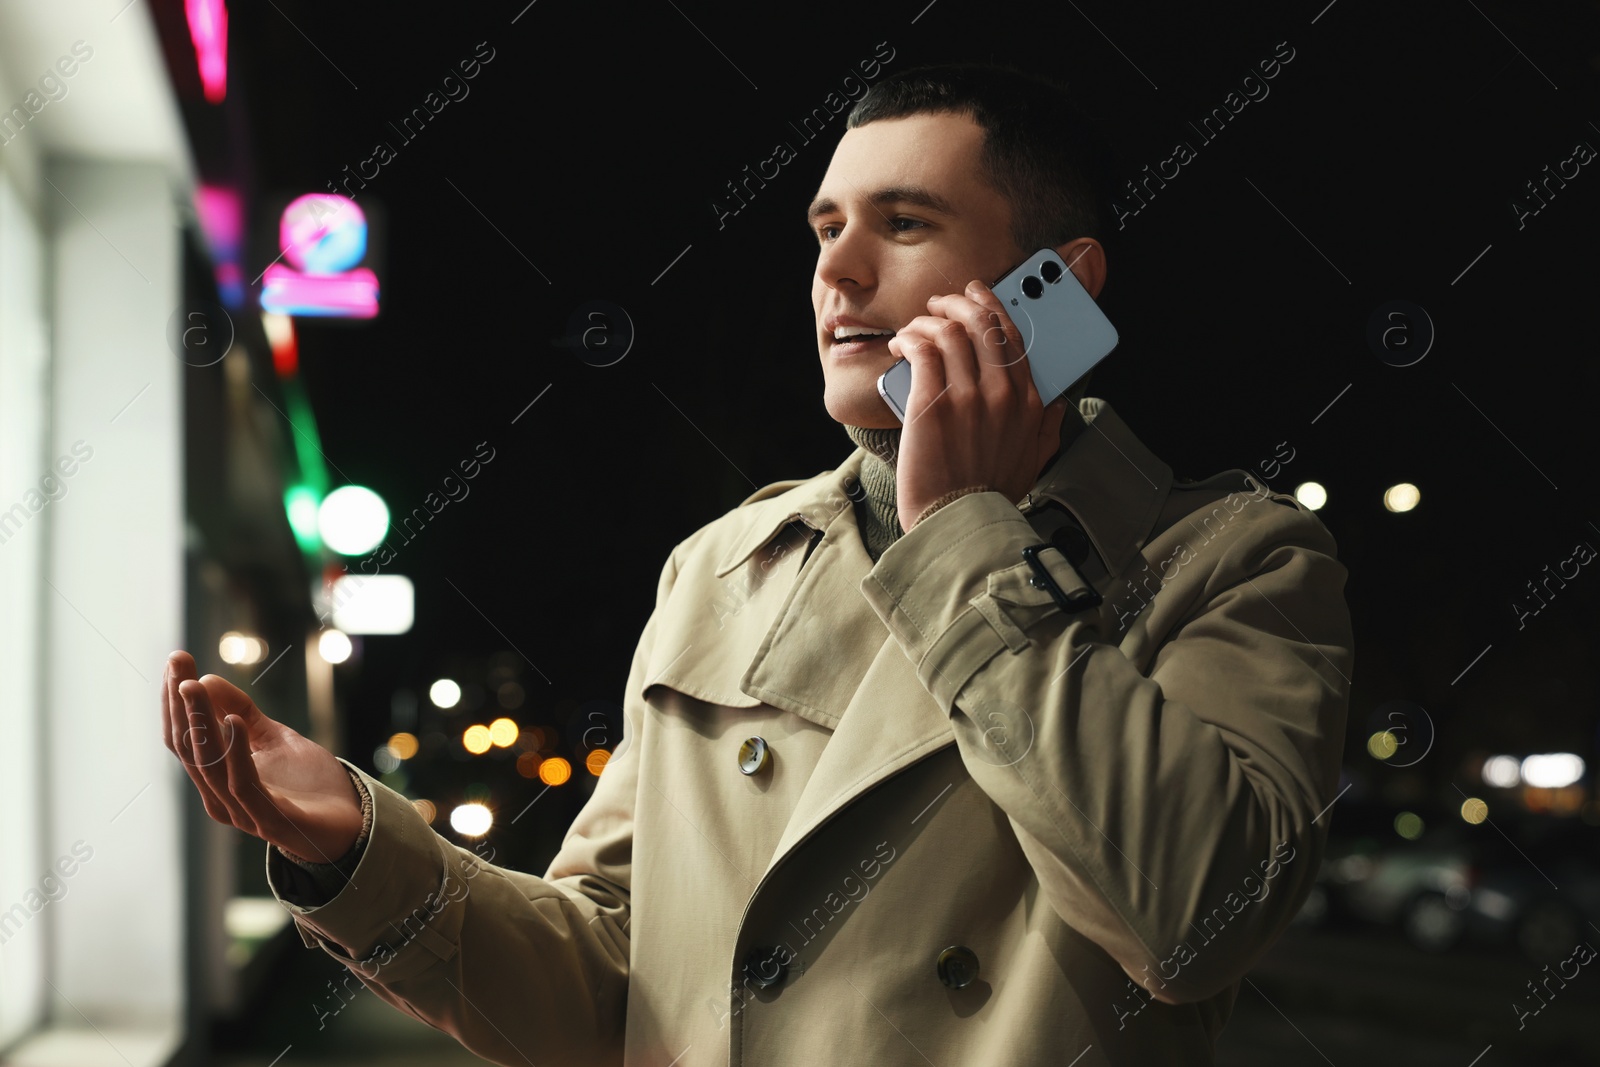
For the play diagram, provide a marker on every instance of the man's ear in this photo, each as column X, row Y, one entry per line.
column 1086, row 258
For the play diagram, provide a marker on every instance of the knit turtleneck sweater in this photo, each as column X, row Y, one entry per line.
column 876, row 504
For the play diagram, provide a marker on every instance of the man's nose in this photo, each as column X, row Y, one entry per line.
column 847, row 260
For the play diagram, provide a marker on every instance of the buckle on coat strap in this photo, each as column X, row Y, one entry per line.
column 1081, row 600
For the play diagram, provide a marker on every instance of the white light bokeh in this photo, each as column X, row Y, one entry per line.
column 334, row 646
column 1552, row 770
column 1402, row 497
column 471, row 820
column 352, row 520
column 1311, row 495
column 1502, row 772
column 380, row 604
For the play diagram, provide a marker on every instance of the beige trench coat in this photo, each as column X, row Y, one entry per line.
column 984, row 830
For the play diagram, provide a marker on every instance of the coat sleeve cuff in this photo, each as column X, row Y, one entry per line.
column 955, row 589
column 401, row 879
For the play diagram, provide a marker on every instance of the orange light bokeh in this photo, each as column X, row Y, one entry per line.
column 476, row 739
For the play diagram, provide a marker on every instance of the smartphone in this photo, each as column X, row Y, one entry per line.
column 1064, row 332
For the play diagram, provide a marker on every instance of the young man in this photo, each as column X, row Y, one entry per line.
column 889, row 791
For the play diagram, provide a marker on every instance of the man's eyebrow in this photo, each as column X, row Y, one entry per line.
column 918, row 195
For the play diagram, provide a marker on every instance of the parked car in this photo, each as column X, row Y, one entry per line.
column 1358, row 833
column 1531, row 883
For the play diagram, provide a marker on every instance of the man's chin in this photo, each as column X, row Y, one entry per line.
column 852, row 398
column 869, row 412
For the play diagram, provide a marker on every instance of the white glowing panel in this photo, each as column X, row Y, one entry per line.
column 380, row 604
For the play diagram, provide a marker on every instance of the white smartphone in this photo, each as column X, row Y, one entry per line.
column 1064, row 332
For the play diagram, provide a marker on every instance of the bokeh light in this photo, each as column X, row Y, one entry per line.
column 1502, row 772
column 444, row 693
column 334, row 646
column 1408, row 824
column 476, row 739
column 1402, row 497
column 554, row 771
column 1382, row 744
column 471, row 820
column 405, row 745
column 1474, row 810
column 1311, row 495
column 528, row 764
column 238, row 648
column 503, row 732
column 596, row 761
column 352, row 520
column 426, row 809
column 1552, row 770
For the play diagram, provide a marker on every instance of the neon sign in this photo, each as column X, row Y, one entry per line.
column 208, row 29
column 323, row 236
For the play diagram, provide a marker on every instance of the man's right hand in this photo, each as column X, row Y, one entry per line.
column 254, row 773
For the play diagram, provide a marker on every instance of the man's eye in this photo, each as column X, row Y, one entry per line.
column 899, row 225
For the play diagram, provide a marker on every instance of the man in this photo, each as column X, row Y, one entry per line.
column 889, row 791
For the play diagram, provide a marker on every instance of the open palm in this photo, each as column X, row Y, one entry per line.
column 253, row 772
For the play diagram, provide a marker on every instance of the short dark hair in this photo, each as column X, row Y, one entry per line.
column 1039, row 151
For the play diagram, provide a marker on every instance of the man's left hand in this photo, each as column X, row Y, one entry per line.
column 974, row 416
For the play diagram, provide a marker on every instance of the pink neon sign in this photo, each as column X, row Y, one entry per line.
column 325, row 236
column 208, row 28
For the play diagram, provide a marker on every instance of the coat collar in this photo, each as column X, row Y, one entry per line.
column 858, row 682
column 815, row 501
column 1111, row 483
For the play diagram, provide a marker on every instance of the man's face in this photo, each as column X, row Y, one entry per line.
column 902, row 214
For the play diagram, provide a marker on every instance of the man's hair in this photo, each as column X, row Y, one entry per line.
column 1039, row 151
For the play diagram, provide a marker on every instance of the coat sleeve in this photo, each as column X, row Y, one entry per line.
column 520, row 969
column 1171, row 813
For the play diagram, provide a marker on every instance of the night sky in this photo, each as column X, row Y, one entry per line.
column 585, row 161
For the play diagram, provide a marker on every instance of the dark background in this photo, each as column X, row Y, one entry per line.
column 596, row 140
column 586, row 160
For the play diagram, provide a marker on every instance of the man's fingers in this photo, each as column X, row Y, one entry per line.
column 208, row 750
column 1005, row 331
column 175, row 732
column 914, row 346
column 179, row 666
column 229, row 699
column 243, row 782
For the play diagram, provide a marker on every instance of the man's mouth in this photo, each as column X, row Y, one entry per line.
column 848, row 339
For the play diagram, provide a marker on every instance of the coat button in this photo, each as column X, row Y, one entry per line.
column 765, row 966
column 753, row 755
column 958, row 966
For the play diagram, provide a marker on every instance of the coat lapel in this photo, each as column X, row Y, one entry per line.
column 783, row 622
column 829, row 655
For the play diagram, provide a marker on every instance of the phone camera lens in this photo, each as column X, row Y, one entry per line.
column 1032, row 287
column 1051, row 271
